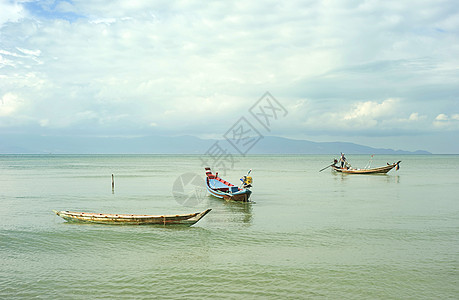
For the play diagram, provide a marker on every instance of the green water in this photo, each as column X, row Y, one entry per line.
column 309, row 234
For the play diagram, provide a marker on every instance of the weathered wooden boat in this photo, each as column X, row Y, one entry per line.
column 222, row 189
column 380, row 170
column 184, row 219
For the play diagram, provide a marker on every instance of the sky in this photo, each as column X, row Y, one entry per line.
column 378, row 73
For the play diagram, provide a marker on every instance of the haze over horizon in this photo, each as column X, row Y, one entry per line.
column 384, row 74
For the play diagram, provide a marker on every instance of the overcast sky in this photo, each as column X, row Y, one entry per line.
column 379, row 73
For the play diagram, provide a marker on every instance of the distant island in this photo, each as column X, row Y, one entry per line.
column 280, row 145
column 34, row 144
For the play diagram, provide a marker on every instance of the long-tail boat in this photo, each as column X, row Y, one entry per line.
column 128, row 219
column 223, row 189
column 380, row 170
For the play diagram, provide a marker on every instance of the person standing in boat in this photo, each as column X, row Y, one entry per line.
column 342, row 160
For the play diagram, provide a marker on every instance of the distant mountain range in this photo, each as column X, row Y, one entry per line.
column 274, row 145
column 21, row 144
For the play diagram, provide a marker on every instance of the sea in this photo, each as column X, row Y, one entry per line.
column 306, row 235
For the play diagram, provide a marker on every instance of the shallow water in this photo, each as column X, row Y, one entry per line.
column 308, row 234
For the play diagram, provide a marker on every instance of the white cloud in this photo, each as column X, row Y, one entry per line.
column 6, row 62
column 415, row 117
column 29, row 52
column 10, row 12
column 370, row 110
column 24, row 59
column 10, row 104
column 4, row 52
column 106, row 21
column 442, row 117
column 310, row 116
column 359, row 116
column 447, row 123
column 131, row 64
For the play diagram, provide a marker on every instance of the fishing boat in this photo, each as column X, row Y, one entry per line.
column 184, row 219
column 222, row 189
column 380, row 170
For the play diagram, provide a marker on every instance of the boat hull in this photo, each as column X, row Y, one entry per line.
column 225, row 190
column 127, row 219
column 240, row 196
column 380, row 170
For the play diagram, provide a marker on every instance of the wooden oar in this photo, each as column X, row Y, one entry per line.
column 326, row 167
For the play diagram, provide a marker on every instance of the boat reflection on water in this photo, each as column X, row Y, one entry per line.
column 241, row 212
column 231, row 212
column 394, row 179
column 340, row 176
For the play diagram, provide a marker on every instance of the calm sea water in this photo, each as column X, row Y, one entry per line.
column 309, row 234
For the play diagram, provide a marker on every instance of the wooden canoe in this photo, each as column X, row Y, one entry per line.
column 380, row 170
column 222, row 189
column 184, row 219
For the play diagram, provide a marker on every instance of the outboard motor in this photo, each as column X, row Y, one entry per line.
column 247, row 180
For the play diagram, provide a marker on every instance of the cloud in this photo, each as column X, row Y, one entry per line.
column 356, row 116
column 447, row 123
column 370, row 110
column 19, row 58
column 348, row 68
column 384, row 118
column 28, row 52
column 10, row 12
column 10, row 105
column 65, row 7
column 415, row 117
column 442, row 117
